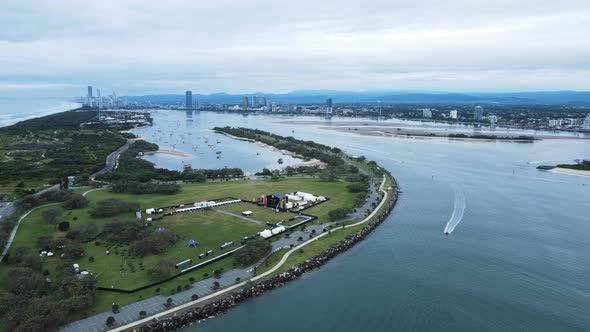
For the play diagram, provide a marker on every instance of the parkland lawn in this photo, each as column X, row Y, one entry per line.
column 210, row 228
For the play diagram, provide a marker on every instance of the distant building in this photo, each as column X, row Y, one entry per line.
column 587, row 122
column 493, row 119
column 98, row 98
column 426, row 113
column 329, row 105
column 478, row 113
column 245, row 102
column 265, row 101
column 188, row 102
column 254, row 101
column 89, row 92
column 453, row 114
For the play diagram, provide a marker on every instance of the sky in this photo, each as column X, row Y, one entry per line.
column 58, row 47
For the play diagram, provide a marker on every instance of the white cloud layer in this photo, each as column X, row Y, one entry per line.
column 254, row 45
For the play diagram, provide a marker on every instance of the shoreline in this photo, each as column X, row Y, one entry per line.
column 311, row 162
column 401, row 134
column 220, row 302
column 569, row 171
column 167, row 151
column 68, row 106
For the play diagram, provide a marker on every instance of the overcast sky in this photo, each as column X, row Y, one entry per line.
column 57, row 47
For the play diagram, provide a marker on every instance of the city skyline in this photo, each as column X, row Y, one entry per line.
column 386, row 45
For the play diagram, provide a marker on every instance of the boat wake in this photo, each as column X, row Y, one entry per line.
column 458, row 212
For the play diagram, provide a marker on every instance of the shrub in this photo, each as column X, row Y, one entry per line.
column 338, row 213
column 252, row 252
column 63, row 226
column 356, row 187
column 111, row 207
column 76, row 201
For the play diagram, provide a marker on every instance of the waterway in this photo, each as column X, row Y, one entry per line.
column 516, row 258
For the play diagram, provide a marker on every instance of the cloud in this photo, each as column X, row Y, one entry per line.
column 253, row 45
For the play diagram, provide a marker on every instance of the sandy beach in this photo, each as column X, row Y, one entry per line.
column 570, row 171
column 168, row 151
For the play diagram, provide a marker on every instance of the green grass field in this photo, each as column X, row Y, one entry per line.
column 210, row 228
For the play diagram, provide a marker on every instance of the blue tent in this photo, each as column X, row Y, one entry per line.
column 192, row 243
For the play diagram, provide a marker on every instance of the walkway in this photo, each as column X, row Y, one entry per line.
column 13, row 233
column 258, row 277
column 240, row 216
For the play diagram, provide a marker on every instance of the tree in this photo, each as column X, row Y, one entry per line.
column 160, row 271
column 194, row 297
column 142, row 314
column 169, row 301
column 76, row 201
column 51, row 216
column 252, row 252
column 115, row 308
column 63, row 226
column 338, row 213
column 110, row 321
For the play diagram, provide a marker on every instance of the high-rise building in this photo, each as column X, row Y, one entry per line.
column 98, row 98
column 264, row 101
column 453, row 114
column 254, row 101
column 493, row 119
column 426, row 113
column 329, row 105
column 188, row 100
column 89, row 92
column 477, row 113
column 244, row 102
column 587, row 122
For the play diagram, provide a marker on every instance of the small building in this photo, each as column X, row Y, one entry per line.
column 247, row 213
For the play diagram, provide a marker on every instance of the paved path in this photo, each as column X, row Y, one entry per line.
column 13, row 233
column 258, row 277
column 154, row 306
column 239, row 216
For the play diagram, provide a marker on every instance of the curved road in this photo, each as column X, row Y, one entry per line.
column 112, row 160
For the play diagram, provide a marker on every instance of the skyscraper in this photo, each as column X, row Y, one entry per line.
column 98, row 98
column 329, row 105
column 453, row 114
column 245, row 102
column 89, row 92
column 264, row 101
column 477, row 113
column 254, row 101
column 188, row 102
column 587, row 122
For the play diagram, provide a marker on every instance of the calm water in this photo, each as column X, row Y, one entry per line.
column 517, row 260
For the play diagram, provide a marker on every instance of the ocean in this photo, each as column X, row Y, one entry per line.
column 13, row 110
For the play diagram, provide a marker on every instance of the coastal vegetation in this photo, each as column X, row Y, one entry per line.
column 46, row 150
column 583, row 165
column 101, row 233
column 132, row 170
